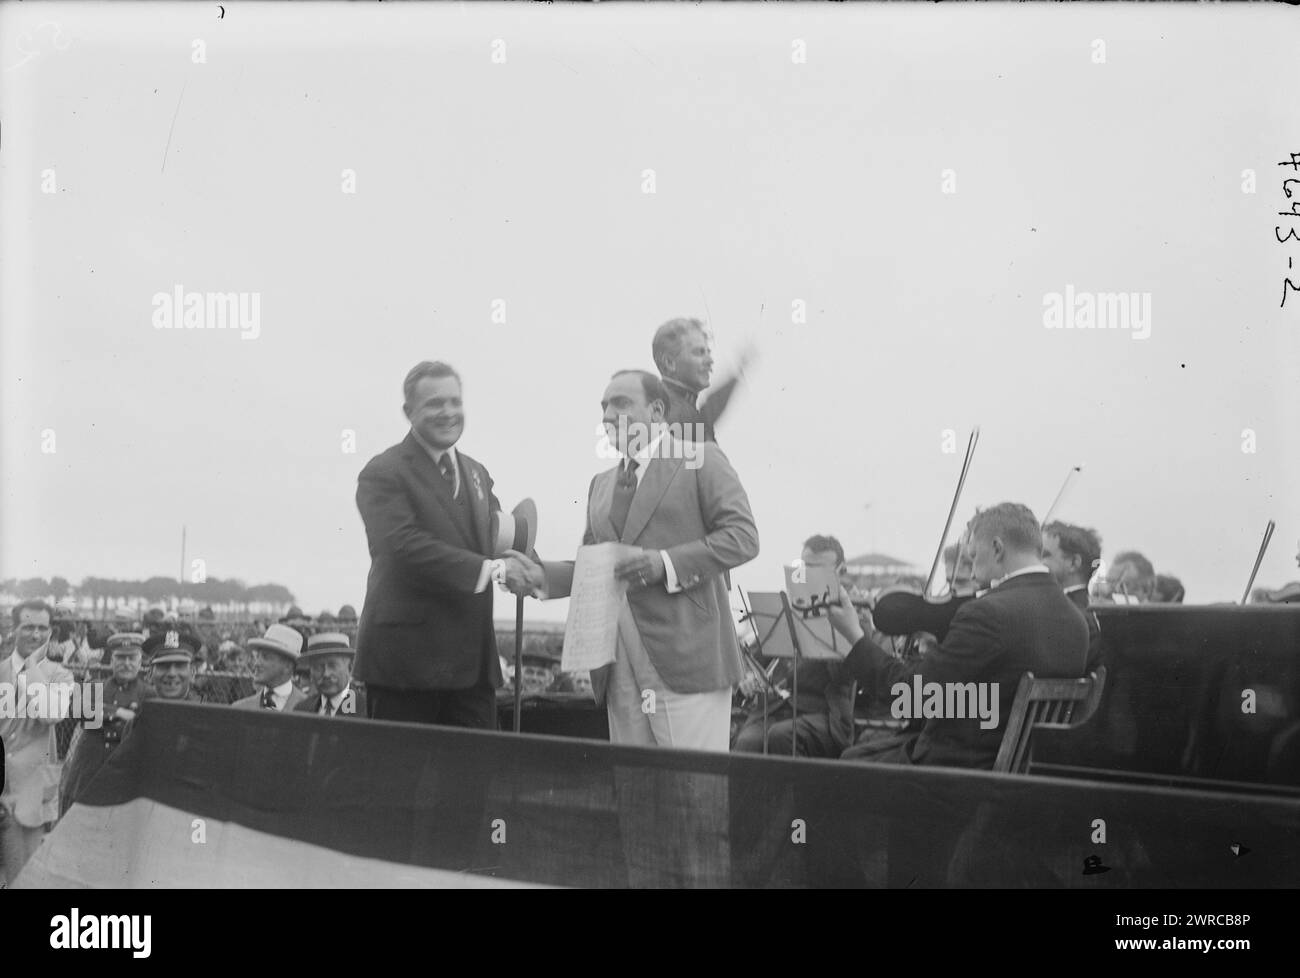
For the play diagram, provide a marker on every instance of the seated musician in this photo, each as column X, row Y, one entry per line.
column 1071, row 553
column 826, row 691
column 1168, row 590
column 1022, row 623
column 957, row 572
column 1130, row 579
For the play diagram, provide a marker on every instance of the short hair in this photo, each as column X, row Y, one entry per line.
column 32, row 604
column 1014, row 523
column 651, row 385
column 1077, row 541
column 1145, row 570
column 426, row 368
column 1169, row 589
column 671, row 337
column 820, row 544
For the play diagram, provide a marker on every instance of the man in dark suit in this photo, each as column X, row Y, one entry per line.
column 689, row 518
column 683, row 354
column 1023, row 623
column 1072, row 553
column 329, row 657
column 426, row 649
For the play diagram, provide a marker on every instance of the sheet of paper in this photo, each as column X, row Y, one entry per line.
column 595, row 600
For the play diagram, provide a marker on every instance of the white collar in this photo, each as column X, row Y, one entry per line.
column 648, row 452
column 20, row 664
column 434, row 453
column 336, row 702
column 282, row 691
column 1075, row 587
column 1031, row 569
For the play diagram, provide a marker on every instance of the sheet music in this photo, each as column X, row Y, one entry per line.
column 595, row 600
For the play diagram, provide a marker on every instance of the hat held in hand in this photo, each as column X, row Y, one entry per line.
column 516, row 530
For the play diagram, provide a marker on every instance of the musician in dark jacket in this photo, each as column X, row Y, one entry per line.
column 1071, row 554
column 426, row 649
column 1022, row 623
column 826, row 692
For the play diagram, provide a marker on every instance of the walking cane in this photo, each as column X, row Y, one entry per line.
column 519, row 656
column 517, row 531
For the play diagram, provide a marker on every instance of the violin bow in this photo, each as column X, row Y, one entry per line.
column 952, row 510
column 1259, row 559
column 1061, row 495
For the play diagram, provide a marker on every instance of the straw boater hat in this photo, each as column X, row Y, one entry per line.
column 328, row 643
column 280, row 639
column 516, row 530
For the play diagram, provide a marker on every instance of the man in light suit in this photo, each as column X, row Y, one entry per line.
column 30, row 797
column 275, row 655
column 689, row 518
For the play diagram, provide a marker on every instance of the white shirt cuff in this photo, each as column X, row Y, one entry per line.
column 670, row 575
column 484, row 576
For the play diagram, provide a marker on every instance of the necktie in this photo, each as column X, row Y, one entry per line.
column 268, row 699
column 448, row 472
column 624, row 490
column 325, row 706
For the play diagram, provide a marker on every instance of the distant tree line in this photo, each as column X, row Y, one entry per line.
column 156, row 590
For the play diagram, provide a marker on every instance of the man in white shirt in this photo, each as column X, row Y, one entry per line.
column 426, row 646
column 275, row 655
column 30, row 797
column 686, row 524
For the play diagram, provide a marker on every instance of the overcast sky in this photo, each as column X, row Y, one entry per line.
column 777, row 181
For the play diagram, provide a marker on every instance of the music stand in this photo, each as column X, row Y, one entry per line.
column 806, row 635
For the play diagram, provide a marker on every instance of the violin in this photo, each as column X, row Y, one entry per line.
column 902, row 610
column 1286, row 594
column 909, row 611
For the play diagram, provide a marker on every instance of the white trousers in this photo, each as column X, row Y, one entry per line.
column 643, row 711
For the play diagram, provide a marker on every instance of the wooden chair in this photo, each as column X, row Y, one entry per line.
column 1046, row 704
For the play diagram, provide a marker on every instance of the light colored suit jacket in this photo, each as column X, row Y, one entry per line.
column 32, row 765
column 700, row 515
column 254, row 702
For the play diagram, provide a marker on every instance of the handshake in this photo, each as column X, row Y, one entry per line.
column 520, row 574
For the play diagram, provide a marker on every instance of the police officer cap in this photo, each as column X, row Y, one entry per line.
column 173, row 648
column 124, row 642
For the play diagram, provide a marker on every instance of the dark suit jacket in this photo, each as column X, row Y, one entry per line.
column 422, row 626
column 684, row 410
column 1080, row 599
column 358, row 709
column 700, row 515
column 824, row 687
column 1025, row 624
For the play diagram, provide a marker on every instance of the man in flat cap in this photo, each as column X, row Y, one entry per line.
column 330, row 657
column 123, row 695
column 172, row 672
column 540, row 670
column 275, row 655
